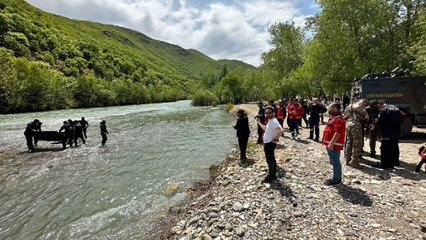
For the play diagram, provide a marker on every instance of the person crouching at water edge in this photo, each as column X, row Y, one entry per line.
column 243, row 133
column 104, row 132
column 273, row 132
column 334, row 139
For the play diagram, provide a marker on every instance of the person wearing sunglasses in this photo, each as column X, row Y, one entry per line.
column 273, row 132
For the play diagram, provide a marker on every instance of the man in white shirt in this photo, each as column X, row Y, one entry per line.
column 273, row 132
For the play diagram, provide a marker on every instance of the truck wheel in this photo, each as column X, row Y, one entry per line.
column 406, row 128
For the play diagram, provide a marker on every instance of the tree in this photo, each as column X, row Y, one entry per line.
column 285, row 56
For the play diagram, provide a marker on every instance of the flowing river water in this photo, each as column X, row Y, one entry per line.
column 111, row 192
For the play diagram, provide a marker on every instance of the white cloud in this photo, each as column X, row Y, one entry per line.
column 232, row 31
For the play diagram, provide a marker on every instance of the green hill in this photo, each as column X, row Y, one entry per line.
column 48, row 62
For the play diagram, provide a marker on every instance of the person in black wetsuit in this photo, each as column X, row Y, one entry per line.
column 29, row 132
column 64, row 128
column 85, row 125
column 104, row 132
column 78, row 132
column 70, row 132
column 243, row 133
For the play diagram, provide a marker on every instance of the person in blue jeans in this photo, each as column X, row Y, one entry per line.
column 334, row 139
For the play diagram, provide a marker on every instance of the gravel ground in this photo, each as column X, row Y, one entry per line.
column 370, row 204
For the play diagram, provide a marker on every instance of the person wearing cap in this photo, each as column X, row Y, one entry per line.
column 355, row 115
column 30, row 130
column 243, row 133
column 273, row 132
column 104, row 132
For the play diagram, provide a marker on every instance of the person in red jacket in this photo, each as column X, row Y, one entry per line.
column 334, row 140
column 295, row 112
column 281, row 112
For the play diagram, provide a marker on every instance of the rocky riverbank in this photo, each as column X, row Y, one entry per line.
column 370, row 204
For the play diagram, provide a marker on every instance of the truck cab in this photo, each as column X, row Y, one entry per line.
column 406, row 93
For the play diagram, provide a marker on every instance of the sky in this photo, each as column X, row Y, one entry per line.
column 224, row 29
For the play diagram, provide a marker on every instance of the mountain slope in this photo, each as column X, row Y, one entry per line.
column 116, row 60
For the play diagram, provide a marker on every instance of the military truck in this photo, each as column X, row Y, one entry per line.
column 407, row 93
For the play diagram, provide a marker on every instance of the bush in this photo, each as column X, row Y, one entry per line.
column 204, row 98
column 229, row 107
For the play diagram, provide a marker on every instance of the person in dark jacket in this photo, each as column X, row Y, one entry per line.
column 389, row 121
column 243, row 133
column 315, row 109
column 30, row 130
column 261, row 117
column 104, row 132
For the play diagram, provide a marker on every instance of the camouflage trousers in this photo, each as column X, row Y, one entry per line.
column 354, row 143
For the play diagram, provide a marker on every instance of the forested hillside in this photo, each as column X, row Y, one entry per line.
column 49, row 62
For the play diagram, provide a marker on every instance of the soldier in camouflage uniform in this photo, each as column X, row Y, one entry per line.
column 355, row 114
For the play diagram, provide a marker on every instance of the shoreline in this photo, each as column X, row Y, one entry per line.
column 371, row 204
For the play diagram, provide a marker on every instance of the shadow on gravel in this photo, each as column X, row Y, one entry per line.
column 355, row 195
column 406, row 170
column 285, row 191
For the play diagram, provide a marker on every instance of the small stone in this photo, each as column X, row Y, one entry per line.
column 237, row 207
column 206, row 237
column 298, row 214
column 375, row 225
column 213, row 215
column 176, row 230
column 193, row 220
column 241, row 232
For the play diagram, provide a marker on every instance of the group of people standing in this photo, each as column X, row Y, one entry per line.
column 70, row 132
column 344, row 131
column 295, row 111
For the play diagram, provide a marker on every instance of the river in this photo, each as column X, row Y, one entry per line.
column 111, row 192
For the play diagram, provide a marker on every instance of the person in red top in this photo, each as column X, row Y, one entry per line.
column 281, row 112
column 295, row 112
column 334, row 140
